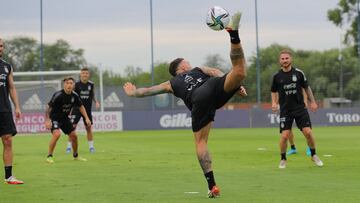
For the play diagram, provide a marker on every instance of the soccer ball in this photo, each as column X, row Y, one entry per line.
column 217, row 18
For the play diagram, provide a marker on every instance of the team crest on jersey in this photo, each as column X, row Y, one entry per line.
column 294, row 78
column 55, row 124
column 6, row 69
column 89, row 87
column 72, row 99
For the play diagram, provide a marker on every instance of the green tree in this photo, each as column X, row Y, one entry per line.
column 346, row 14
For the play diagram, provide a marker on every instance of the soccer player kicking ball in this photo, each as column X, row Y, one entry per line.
column 7, row 125
column 57, row 117
column 85, row 89
column 287, row 86
column 203, row 90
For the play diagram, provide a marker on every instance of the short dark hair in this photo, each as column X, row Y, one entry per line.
column 285, row 51
column 68, row 78
column 174, row 65
column 85, row 69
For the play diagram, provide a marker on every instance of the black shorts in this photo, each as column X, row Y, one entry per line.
column 64, row 124
column 7, row 125
column 301, row 117
column 76, row 115
column 206, row 99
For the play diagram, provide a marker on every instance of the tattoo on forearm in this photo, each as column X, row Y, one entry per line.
column 205, row 161
column 236, row 54
column 310, row 95
column 143, row 92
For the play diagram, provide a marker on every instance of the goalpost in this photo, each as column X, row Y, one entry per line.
column 25, row 86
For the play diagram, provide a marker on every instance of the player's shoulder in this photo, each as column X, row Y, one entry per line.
column 276, row 73
column 74, row 93
column 58, row 94
column 298, row 70
column 5, row 63
column 90, row 82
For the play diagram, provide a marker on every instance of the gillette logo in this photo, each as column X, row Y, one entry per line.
column 175, row 120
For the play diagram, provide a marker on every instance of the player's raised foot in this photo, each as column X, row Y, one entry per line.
column 282, row 164
column 214, row 192
column 79, row 159
column 308, row 152
column 92, row 150
column 68, row 150
column 13, row 181
column 50, row 160
column 291, row 151
column 317, row 160
column 234, row 22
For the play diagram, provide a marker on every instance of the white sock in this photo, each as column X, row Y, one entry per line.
column 69, row 145
column 91, row 144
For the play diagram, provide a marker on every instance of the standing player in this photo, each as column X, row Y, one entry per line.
column 287, row 84
column 85, row 89
column 292, row 149
column 203, row 90
column 7, row 125
column 57, row 117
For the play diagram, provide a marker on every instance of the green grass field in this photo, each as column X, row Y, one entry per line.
column 160, row 166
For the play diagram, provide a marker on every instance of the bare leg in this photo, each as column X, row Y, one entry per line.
column 291, row 138
column 238, row 71
column 55, row 137
column 203, row 154
column 74, row 142
column 7, row 150
column 283, row 141
column 89, row 133
column 307, row 132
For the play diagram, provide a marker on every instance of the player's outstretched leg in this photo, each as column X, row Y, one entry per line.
column 238, row 70
column 311, row 143
column 201, row 139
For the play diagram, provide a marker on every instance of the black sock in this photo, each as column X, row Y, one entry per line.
column 283, row 156
column 313, row 152
column 210, row 179
column 8, row 171
column 75, row 154
column 49, row 155
column 293, row 147
column 234, row 36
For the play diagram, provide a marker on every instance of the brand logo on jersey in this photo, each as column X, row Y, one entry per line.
column 3, row 76
column 175, row 120
column 294, row 78
column 6, row 69
column 72, row 99
column 89, row 87
column 33, row 103
column 113, row 101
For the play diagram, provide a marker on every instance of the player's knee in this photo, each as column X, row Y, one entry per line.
column 307, row 132
column 7, row 141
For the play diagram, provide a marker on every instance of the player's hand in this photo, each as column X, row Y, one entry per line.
column 242, row 91
column 97, row 105
column 129, row 89
column 275, row 107
column 88, row 122
column 17, row 113
column 313, row 106
column 48, row 124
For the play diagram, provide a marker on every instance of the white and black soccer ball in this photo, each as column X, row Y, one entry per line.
column 217, row 18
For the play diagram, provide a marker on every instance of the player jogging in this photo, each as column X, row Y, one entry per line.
column 85, row 89
column 286, row 85
column 57, row 117
column 203, row 90
column 7, row 125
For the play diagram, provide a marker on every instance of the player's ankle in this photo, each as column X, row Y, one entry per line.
column 234, row 36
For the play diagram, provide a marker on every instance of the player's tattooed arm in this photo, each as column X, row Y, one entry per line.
column 310, row 94
column 311, row 98
column 214, row 72
column 205, row 161
column 131, row 90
